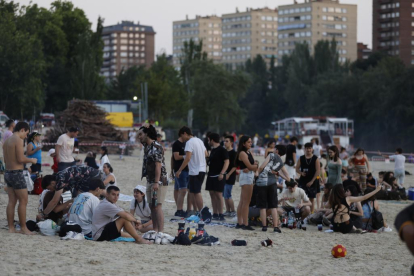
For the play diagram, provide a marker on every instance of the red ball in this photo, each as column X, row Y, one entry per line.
column 339, row 251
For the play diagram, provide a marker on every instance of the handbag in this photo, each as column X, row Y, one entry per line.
column 376, row 218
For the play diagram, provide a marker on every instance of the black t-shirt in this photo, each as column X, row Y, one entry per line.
column 216, row 160
column 232, row 158
column 290, row 149
column 178, row 147
column 52, row 215
column 350, row 182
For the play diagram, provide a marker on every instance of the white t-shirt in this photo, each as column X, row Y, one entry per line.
column 41, row 197
column 104, row 213
column 144, row 213
column 104, row 160
column 197, row 162
column 82, row 210
column 66, row 148
column 132, row 136
column 317, row 150
column 399, row 161
column 295, row 198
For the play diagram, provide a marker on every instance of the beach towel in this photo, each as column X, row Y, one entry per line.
column 120, row 239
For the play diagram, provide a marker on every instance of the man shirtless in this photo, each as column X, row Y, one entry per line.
column 17, row 189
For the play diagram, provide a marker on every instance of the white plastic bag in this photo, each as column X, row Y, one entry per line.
column 48, row 227
column 29, row 181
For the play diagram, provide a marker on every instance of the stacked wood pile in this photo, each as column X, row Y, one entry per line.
column 91, row 121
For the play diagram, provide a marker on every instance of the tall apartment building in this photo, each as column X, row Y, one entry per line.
column 393, row 28
column 248, row 34
column 316, row 20
column 127, row 45
column 207, row 29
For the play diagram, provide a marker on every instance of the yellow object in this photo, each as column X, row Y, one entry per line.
column 192, row 233
column 121, row 119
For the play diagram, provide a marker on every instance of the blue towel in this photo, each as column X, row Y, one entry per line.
column 120, row 239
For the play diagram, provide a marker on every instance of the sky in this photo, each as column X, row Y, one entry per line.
column 161, row 13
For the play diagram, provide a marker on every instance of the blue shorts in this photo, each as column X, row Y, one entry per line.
column 227, row 191
column 182, row 181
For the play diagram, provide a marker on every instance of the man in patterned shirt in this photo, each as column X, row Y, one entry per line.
column 153, row 168
column 74, row 179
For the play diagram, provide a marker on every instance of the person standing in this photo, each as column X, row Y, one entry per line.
column 290, row 160
column 132, row 136
column 248, row 166
column 361, row 167
column 195, row 158
column 316, row 147
column 17, row 190
column 230, row 177
column 64, row 149
column 181, row 183
column 218, row 163
column 104, row 158
column 153, row 168
column 299, row 151
column 399, row 166
column 34, row 150
column 308, row 167
column 10, row 124
column 334, row 166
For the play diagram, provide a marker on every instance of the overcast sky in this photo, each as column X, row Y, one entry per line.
column 161, row 13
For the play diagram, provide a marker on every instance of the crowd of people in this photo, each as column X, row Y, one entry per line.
column 343, row 185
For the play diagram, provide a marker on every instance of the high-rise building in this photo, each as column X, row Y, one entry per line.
column 248, row 34
column 315, row 20
column 127, row 45
column 363, row 51
column 393, row 28
column 207, row 29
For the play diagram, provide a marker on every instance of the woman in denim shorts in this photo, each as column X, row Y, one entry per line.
column 248, row 166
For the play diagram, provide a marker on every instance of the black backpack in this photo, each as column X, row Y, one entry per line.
column 377, row 221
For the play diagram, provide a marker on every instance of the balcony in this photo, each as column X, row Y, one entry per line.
column 385, row 38
column 385, row 10
column 387, row 29
column 384, row 48
column 384, row 20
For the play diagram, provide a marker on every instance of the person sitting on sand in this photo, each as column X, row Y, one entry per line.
column 84, row 205
column 46, row 182
column 368, row 206
column 110, row 179
column 323, row 212
column 73, row 179
column 140, row 208
column 294, row 197
column 61, row 208
column 355, row 210
column 340, row 204
column 90, row 160
column 108, row 219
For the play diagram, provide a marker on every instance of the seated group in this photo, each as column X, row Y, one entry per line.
column 101, row 220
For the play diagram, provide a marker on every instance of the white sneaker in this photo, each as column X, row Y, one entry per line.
column 68, row 236
column 78, row 236
column 165, row 241
column 150, row 235
column 388, row 229
column 158, row 238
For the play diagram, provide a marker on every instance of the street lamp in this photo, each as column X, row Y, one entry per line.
column 135, row 98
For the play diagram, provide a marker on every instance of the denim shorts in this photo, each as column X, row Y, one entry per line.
column 15, row 179
column 182, row 181
column 246, row 178
column 227, row 191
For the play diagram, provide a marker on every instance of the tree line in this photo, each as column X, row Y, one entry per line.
column 50, row 56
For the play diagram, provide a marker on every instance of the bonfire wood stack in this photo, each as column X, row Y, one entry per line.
column 92, row 122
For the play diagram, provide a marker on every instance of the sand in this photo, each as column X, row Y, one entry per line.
column 295, row 252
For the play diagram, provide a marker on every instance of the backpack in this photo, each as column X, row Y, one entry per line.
column 37, row 186
column 377, row 221
column 182, row 239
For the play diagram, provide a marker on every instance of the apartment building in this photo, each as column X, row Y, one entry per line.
column 248, row 34
column 207, row 29
column 315, row 20
column 363, row 51
column 127, row 45
column 393, row 28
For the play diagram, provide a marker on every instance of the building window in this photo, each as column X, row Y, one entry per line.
column 124, row 35
column 123, row 48
column 124, row 41
column 114, row 35
column 142, row 35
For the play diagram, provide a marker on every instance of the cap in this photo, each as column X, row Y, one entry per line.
column 141, row 188
column 50, row 152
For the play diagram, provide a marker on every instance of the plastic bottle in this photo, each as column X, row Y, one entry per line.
column 192, row 232
column 181, row 226
column 200, row 230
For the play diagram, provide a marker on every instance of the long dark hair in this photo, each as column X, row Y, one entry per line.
column 336, row 151
column 359, row 149
column 241, row 147
column 105, row 150
column 143, row 200
column 353, row 190
column 111, row 170
column 337, row 194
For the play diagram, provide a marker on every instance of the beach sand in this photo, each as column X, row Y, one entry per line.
column 295, row 252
